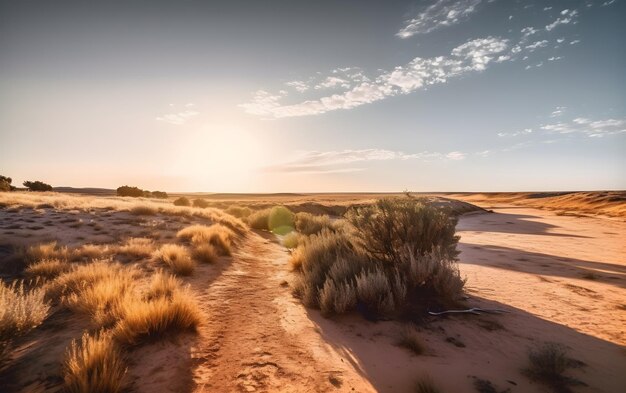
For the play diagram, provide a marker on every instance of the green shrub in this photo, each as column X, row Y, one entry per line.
column 182, row 201
column 37, row 186
column 280, row 220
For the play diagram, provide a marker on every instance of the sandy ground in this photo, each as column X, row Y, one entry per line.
column 562, row 279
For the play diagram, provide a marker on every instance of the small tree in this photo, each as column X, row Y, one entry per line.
column 5, row 183
column 37, row 186
column 130, row 191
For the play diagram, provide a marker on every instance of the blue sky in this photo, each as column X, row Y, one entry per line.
column 274, row 96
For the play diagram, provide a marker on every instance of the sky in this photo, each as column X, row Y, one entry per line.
column 315, row 96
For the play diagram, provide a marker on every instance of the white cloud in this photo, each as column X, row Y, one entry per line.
column 474, row 55
column 567, row 16
column 300, row 86
column 558, row 111
column 439, row 14
column 525, row 131
column 591, row 128
column 574, row 42
column 527, row 32
column 547, row 8
column 332, row 161
column 332, row 82
column 178, row 118
column 537, row 44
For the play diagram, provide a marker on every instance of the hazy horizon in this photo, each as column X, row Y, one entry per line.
column 292, row 96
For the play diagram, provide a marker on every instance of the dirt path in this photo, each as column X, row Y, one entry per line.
column 257, row 337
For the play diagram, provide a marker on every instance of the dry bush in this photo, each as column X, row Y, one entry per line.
column 425, row 384
column 548, row 364
column 374, row 291
column 259, row 219
column 411, row 339
column 238, row 211
column 90, row 252
column 137, row 247
column 82, row 276
column 163, row 285
column 143, row 210
column 50, row 250
column 217, row 235
column 94, row 365
column 337, row 298
column 47, row 268
column 199, row 202
column 177, row 258
column 291, row 240
column 388, row 226
column 182, row 201
column 147, row 320
column 205, row 253
column 20, row 309
column 309, row 224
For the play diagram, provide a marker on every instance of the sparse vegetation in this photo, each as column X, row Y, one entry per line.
column 5, row 184
column 280, row 220
column 47, row 268
column 238, row 211
column 205, row 253
column 177, row 258
column 137, row 247
column 219, row 236
column 143, row 210
column 259, row 219
column 50, row 250
column 291, row 240
column 37, row 186
column 199, row 202
column 94, row 365
column 548, row 364
column 425, row 384
column 309, row 224
column 182, row 201
column 411, row 339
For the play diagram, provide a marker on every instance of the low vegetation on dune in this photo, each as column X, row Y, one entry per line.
column 388, row 257
column 137, row 247
column 278, row 219
column 238, row 211
column 47, row 268
column 216, row 235
column 182, row 201
column 21, row 309
column 425, row 384
column 411, row 339
column 50, row 250
column 177, row 257
column 144, row 210
column 548, row 364
column 310, row 224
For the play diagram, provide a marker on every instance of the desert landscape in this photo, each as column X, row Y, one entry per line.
column 222, row 313
column 295, row 196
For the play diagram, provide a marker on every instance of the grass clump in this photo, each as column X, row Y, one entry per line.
column 238, row 211
column 50, row 250
column 21, row 309
column 177, row 258
column 47, row 268
column 89, row 252
column 217, row 235
column 182, row 201
column 309, row 224
column 548, row 364
column 411, row 339
column 259, row 219
column 143, row 210
column 425, row 384
column 163, row 285
column 137, row 247
column 389, row 257
column 199, row 202
column 291, row 240
column 205, row 253
column 280, row 220
column 94, row 365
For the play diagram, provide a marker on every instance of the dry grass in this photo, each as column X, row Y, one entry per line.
column 50, row 250
column 309, row 224
column 411, row 339
column 82, row 276
column 291, row 240
column 94, row 365
column 163, row 285
column 177, row 258
column 548, row 364
column 425, row 384
column 144, row 210
column 205, row 253
column 259, row 219
column 217, row 235
column 90, row 252
column 137, row 247
column 47, row 268
column 20, row 309
column 160, row 317
column 238, row 211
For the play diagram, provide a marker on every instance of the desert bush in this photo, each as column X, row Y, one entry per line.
column 238, row 211
column 291, row 240
column 143, row 210
column 219, row 236
column 127, row 191
column 137, row 247
column 411, row 339
column 337, row 298
column 425, row 384
column 374, row 291
column 50, row 250
column 205, row 253
column 309, row 224
column 94, row 365
column 159, row 317
column 47, row 268
column 182, row 201
column 199, row 202
column 21, row 309
column 548, row 364
column 37, row 186
column 280, row 220
column 259, row 219
column 163, row 285
column 388, row 226
column 177, row 258
column 159, row 194
column 5, row 183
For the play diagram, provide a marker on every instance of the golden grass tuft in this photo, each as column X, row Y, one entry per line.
column 238, row 211
column 145, row 321
column 47, row 268
column 137, row 247
column 90, row 252
column 84, row 275
column 291, row 240
column 20, row 309
column 219, row 236
column 411, row 339
column 163, row 285
column 50, row 250
column 205, row 253
column 143, row 210
column 177, row 258
column 94, row 365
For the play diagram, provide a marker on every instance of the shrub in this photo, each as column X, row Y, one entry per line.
column 200, row 203
column 238, row 211
column 143, row 210
column 5, row 183
column 291, row 240
column 375, row 293
column 388, row 226
column 548, row 364
column 156, row 318
column 259, row 219
column 205, row 253
column 425, row 384
column 95, row 365
column 219, row 236
column 309, row 224
column 127, row 191
column 159, row 194
column 163, row 285
column 47, row 268
column 177, row 258
column 50, row 250
column 37, row 186
column 411, row 339
column 182, row 201
column 280, row 220
column 83, row 276
column 20, row 310
column 336, row 298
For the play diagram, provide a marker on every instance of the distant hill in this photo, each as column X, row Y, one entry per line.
column 87, row 191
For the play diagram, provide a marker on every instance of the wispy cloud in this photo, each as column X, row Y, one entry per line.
column 567, row 17
column 525, row 131
column 559, row 110
column 179, row 117
column 591, row 128
column 300, row 86
column 471, row 56
column 439, row 14
column 336, row 160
